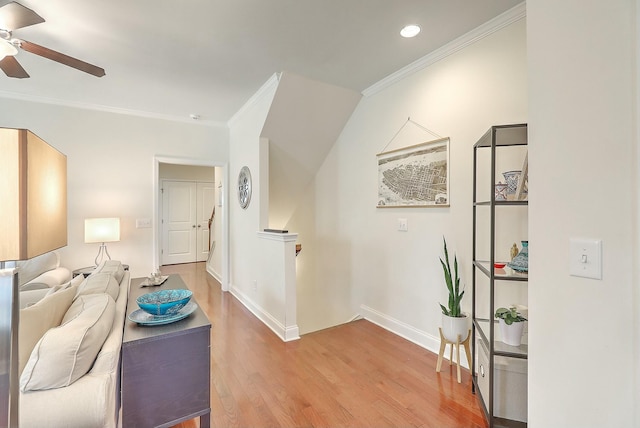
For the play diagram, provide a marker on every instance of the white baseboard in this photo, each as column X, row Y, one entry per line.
column 214, row 274
column 287, row 334
column 412, row 334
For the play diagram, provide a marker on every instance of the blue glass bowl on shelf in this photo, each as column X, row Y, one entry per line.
column 164, row 302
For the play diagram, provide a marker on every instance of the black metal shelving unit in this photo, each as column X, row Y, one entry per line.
column 483, row 329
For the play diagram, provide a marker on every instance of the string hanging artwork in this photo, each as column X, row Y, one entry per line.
column 409, row 120
column 414, row 176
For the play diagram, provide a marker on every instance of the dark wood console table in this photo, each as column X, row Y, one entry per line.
column 165, row 368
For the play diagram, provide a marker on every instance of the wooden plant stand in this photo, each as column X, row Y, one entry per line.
column 444, row 342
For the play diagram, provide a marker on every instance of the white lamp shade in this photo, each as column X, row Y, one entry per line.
column 33, row 191
column 101, row 230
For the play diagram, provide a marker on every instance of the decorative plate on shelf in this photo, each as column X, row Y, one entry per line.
column 144, row 318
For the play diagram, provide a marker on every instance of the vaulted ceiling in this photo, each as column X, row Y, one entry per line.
column 208, row 57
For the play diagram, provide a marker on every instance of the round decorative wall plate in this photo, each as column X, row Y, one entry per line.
column 244, row 187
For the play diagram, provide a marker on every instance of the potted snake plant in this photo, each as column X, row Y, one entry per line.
column 455, row 323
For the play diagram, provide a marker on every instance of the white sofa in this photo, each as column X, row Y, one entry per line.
column 69, row 347
column 40, row 272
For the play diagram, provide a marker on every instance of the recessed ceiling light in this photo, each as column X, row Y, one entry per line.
column 410, row 31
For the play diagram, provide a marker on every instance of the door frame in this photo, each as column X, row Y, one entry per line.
column 223, row 213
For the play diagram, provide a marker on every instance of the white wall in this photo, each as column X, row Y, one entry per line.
column 246, row 257
column 110, row 169
column 215, row 265
column 352, row 253
column 583, row 155
column 304, row 121
column 168, row 171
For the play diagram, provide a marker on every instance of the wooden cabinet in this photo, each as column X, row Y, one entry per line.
column 165, row 368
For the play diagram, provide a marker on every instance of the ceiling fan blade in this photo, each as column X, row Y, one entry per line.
column 14, row 15
column 62, row 58
column 12, row 68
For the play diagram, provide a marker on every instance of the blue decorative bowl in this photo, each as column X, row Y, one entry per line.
column 164, row 302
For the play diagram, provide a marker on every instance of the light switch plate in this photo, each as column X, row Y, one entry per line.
column 403, row 226
column 142, row 223
column 585, row 258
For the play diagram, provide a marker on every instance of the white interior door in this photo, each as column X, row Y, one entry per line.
column 205, row 201
column 179, row 231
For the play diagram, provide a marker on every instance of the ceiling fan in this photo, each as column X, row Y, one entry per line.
column 13, row 16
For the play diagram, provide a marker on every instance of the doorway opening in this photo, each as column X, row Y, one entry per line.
column 190, row 214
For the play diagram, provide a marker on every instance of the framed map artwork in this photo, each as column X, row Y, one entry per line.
column 415, row 176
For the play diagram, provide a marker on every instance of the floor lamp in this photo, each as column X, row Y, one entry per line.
column 33, row 221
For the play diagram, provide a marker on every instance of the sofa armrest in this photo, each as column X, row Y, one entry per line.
column 29, row 269
column 34, row 286
column 50, row 278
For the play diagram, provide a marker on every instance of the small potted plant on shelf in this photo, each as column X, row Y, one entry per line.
column 455, row 323
column 511, row 325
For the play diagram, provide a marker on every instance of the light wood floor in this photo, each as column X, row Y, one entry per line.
column 353, row 375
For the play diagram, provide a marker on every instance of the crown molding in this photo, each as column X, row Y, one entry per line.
column 107, row 109
column 268, row 85
column 514, row 14
column 505, row 19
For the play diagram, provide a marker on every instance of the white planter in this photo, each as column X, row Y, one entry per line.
column 511, row 334
column 452, row 327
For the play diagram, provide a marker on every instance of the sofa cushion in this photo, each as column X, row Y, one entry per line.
column 32, row 268
column 40, row 317
column 99, row 283
column 31, row 297
column 66, row 353
column 114, row 267
column 75, row 282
